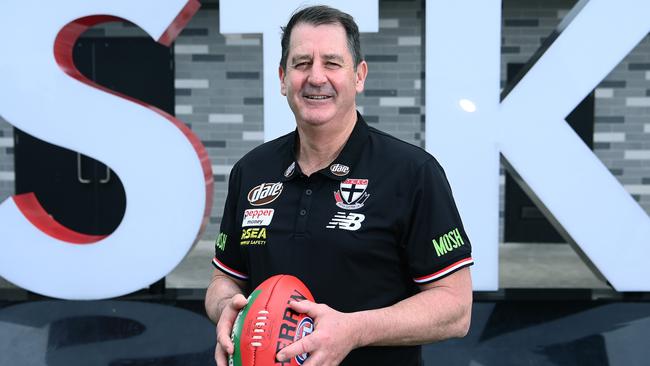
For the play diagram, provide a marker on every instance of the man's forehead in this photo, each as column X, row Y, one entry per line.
column 330, row 39
column 326, row 27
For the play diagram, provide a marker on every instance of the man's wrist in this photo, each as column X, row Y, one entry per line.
column 361, row 334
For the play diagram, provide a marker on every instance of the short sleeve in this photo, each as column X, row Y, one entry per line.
column 228, row 258
column 436, row 242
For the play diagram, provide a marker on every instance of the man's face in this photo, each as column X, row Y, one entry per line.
column 320, row 81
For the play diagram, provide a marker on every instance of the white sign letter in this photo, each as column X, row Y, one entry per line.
column 529, row 129
column 163, row 166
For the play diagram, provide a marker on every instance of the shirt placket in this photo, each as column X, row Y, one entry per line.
column 307, row 186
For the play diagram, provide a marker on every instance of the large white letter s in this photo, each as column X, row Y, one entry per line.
column 164, row 168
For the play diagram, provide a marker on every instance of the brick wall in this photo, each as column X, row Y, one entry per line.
column 219, row 89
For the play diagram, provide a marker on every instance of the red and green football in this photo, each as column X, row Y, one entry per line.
column 267, row 323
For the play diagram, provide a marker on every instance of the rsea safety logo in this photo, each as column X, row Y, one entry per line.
column 448, row 242
column 253, row 236
column 264, row 194
column 221, row 241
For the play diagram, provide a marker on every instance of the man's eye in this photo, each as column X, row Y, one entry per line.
column 333, row 65
column 301, row 65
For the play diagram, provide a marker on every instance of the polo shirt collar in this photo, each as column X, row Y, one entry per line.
column 341, row 167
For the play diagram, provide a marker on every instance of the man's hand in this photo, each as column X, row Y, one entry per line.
column 224, row 328
column 411, row 321
column 335, row 335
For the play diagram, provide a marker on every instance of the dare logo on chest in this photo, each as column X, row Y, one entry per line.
column 264, row 193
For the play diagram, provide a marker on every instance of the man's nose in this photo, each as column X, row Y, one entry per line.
column 317, row 74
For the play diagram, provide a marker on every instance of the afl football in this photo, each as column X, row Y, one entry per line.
column 267, row 323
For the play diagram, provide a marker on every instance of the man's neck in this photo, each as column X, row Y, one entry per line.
column 320, row 145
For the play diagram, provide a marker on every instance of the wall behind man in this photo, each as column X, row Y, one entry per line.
column 218, row 89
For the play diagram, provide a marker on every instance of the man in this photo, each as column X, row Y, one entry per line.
column 366, row 221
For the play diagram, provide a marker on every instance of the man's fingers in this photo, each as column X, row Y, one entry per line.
column 316, row 359
column 225, row 324
column 225, row 342
column 304, row 307
column 306, row 344
column 223, row 336
column 238, row 301
column 297, row 348
column 220, row 356
column 224, row 327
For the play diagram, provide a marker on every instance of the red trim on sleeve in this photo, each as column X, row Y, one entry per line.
column 228, row 270
column 445, row 271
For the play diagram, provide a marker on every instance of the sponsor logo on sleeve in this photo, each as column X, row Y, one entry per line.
column 339, row 170
column 257, row 217
column 346, row 221
column 264, row 193
column 221, row 241
column 448, row 242
column 352, row 194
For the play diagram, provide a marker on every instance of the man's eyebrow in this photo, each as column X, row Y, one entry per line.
column 334, row 57
column 299, row 58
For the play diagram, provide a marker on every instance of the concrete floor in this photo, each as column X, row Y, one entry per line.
column 538, row 266
column 525, row 265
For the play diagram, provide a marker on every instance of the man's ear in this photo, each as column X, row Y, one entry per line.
column 283, row 86
column 360, row 75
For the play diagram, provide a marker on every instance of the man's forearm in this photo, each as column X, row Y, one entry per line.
column 221, row 289
column 437, row 313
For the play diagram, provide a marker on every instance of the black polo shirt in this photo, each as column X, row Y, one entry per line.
column 361, row 234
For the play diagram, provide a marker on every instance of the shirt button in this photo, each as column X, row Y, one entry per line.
column 303, row 212
column 308, row 192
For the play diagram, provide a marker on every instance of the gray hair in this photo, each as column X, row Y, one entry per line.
column 319, row 15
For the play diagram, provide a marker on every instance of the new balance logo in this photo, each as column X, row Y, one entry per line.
column 346, row 221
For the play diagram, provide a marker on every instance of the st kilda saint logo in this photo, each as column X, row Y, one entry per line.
column 264, row 193
column 352, row 194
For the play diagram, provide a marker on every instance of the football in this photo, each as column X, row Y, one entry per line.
column 267, row 323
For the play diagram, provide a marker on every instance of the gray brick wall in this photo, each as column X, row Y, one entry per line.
column 393, row 100
column 219, row 89
column 227, row 114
